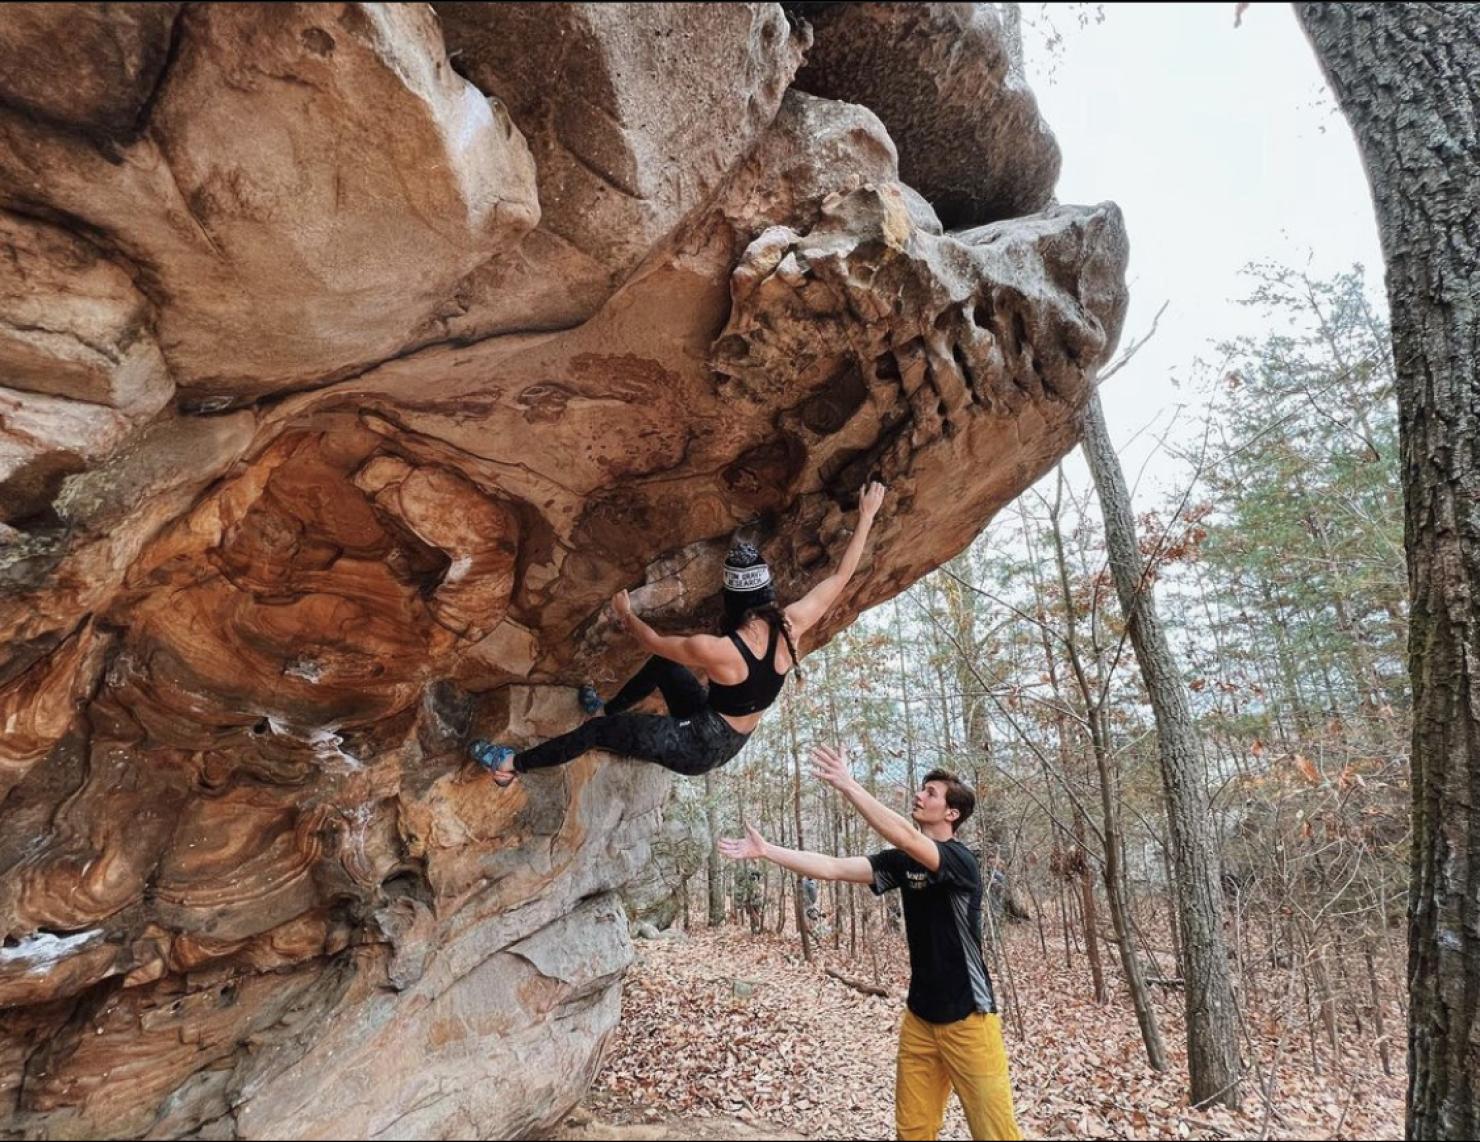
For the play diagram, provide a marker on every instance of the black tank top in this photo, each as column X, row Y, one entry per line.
column 761, row 684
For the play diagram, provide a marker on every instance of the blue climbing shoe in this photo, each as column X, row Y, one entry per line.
column 497, row 759
column 590, row 700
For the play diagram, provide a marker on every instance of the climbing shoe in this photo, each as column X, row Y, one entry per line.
column 496, row 759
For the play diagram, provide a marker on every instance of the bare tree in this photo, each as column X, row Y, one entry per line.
column 1212, row 1023
column 1097, row 724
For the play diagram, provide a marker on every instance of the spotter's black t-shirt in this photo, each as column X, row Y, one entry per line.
column 943, row 925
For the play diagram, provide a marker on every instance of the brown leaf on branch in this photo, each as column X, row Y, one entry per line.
column 1307, row 769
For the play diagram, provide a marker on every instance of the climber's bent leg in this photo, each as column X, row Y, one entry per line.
column 689, row 746
column 684, row 693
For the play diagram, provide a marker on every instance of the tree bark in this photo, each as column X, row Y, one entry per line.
column 1212, row 1023
column 715, row 871
column 804, row 926
column 1114, row 870
column 904, row 690
column 1085, row 875
column 839, row 889
column 1087, row 904
column 1407, row 78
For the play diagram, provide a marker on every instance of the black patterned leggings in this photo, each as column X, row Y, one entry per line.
column 692, row 739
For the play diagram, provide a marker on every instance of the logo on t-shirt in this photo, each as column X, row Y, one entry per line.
column 916, row 880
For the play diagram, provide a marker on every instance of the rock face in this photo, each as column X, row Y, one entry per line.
column 636, row 113
column 111, row 55
column 679, row 850
column 351, row 356
column 940, row 77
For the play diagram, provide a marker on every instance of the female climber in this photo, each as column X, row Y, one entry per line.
column 704, row 728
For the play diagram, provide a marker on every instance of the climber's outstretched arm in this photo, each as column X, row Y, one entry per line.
column 700, row 650
column 830, row 764
column 807, row 611
column 857, row 870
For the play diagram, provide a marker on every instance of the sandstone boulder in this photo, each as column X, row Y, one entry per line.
column 80, row 365
column 90, row 68
column 341, row 393
column 680, row 849
column 310, row 185
column 635, row 115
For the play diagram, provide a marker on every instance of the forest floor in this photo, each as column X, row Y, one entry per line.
column 729, row 1035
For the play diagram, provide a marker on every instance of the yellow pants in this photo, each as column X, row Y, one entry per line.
column 967, row 1055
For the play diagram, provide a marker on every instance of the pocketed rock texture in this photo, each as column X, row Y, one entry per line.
column 351, row 357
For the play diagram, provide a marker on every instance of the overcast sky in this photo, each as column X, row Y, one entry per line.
column 1222, row 146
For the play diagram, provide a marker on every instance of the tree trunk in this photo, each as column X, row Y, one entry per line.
column 904, row 691
column 1061, row 732
column 715, row 871
column 975, row 726
column 1382, row 1037
column 1085, row 875
column 1212, row 1024
column 1087, row 898
column 1407, row 77
column 1114, row 871
column 804, row 926
column 839, row 889
column 1120, row 919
